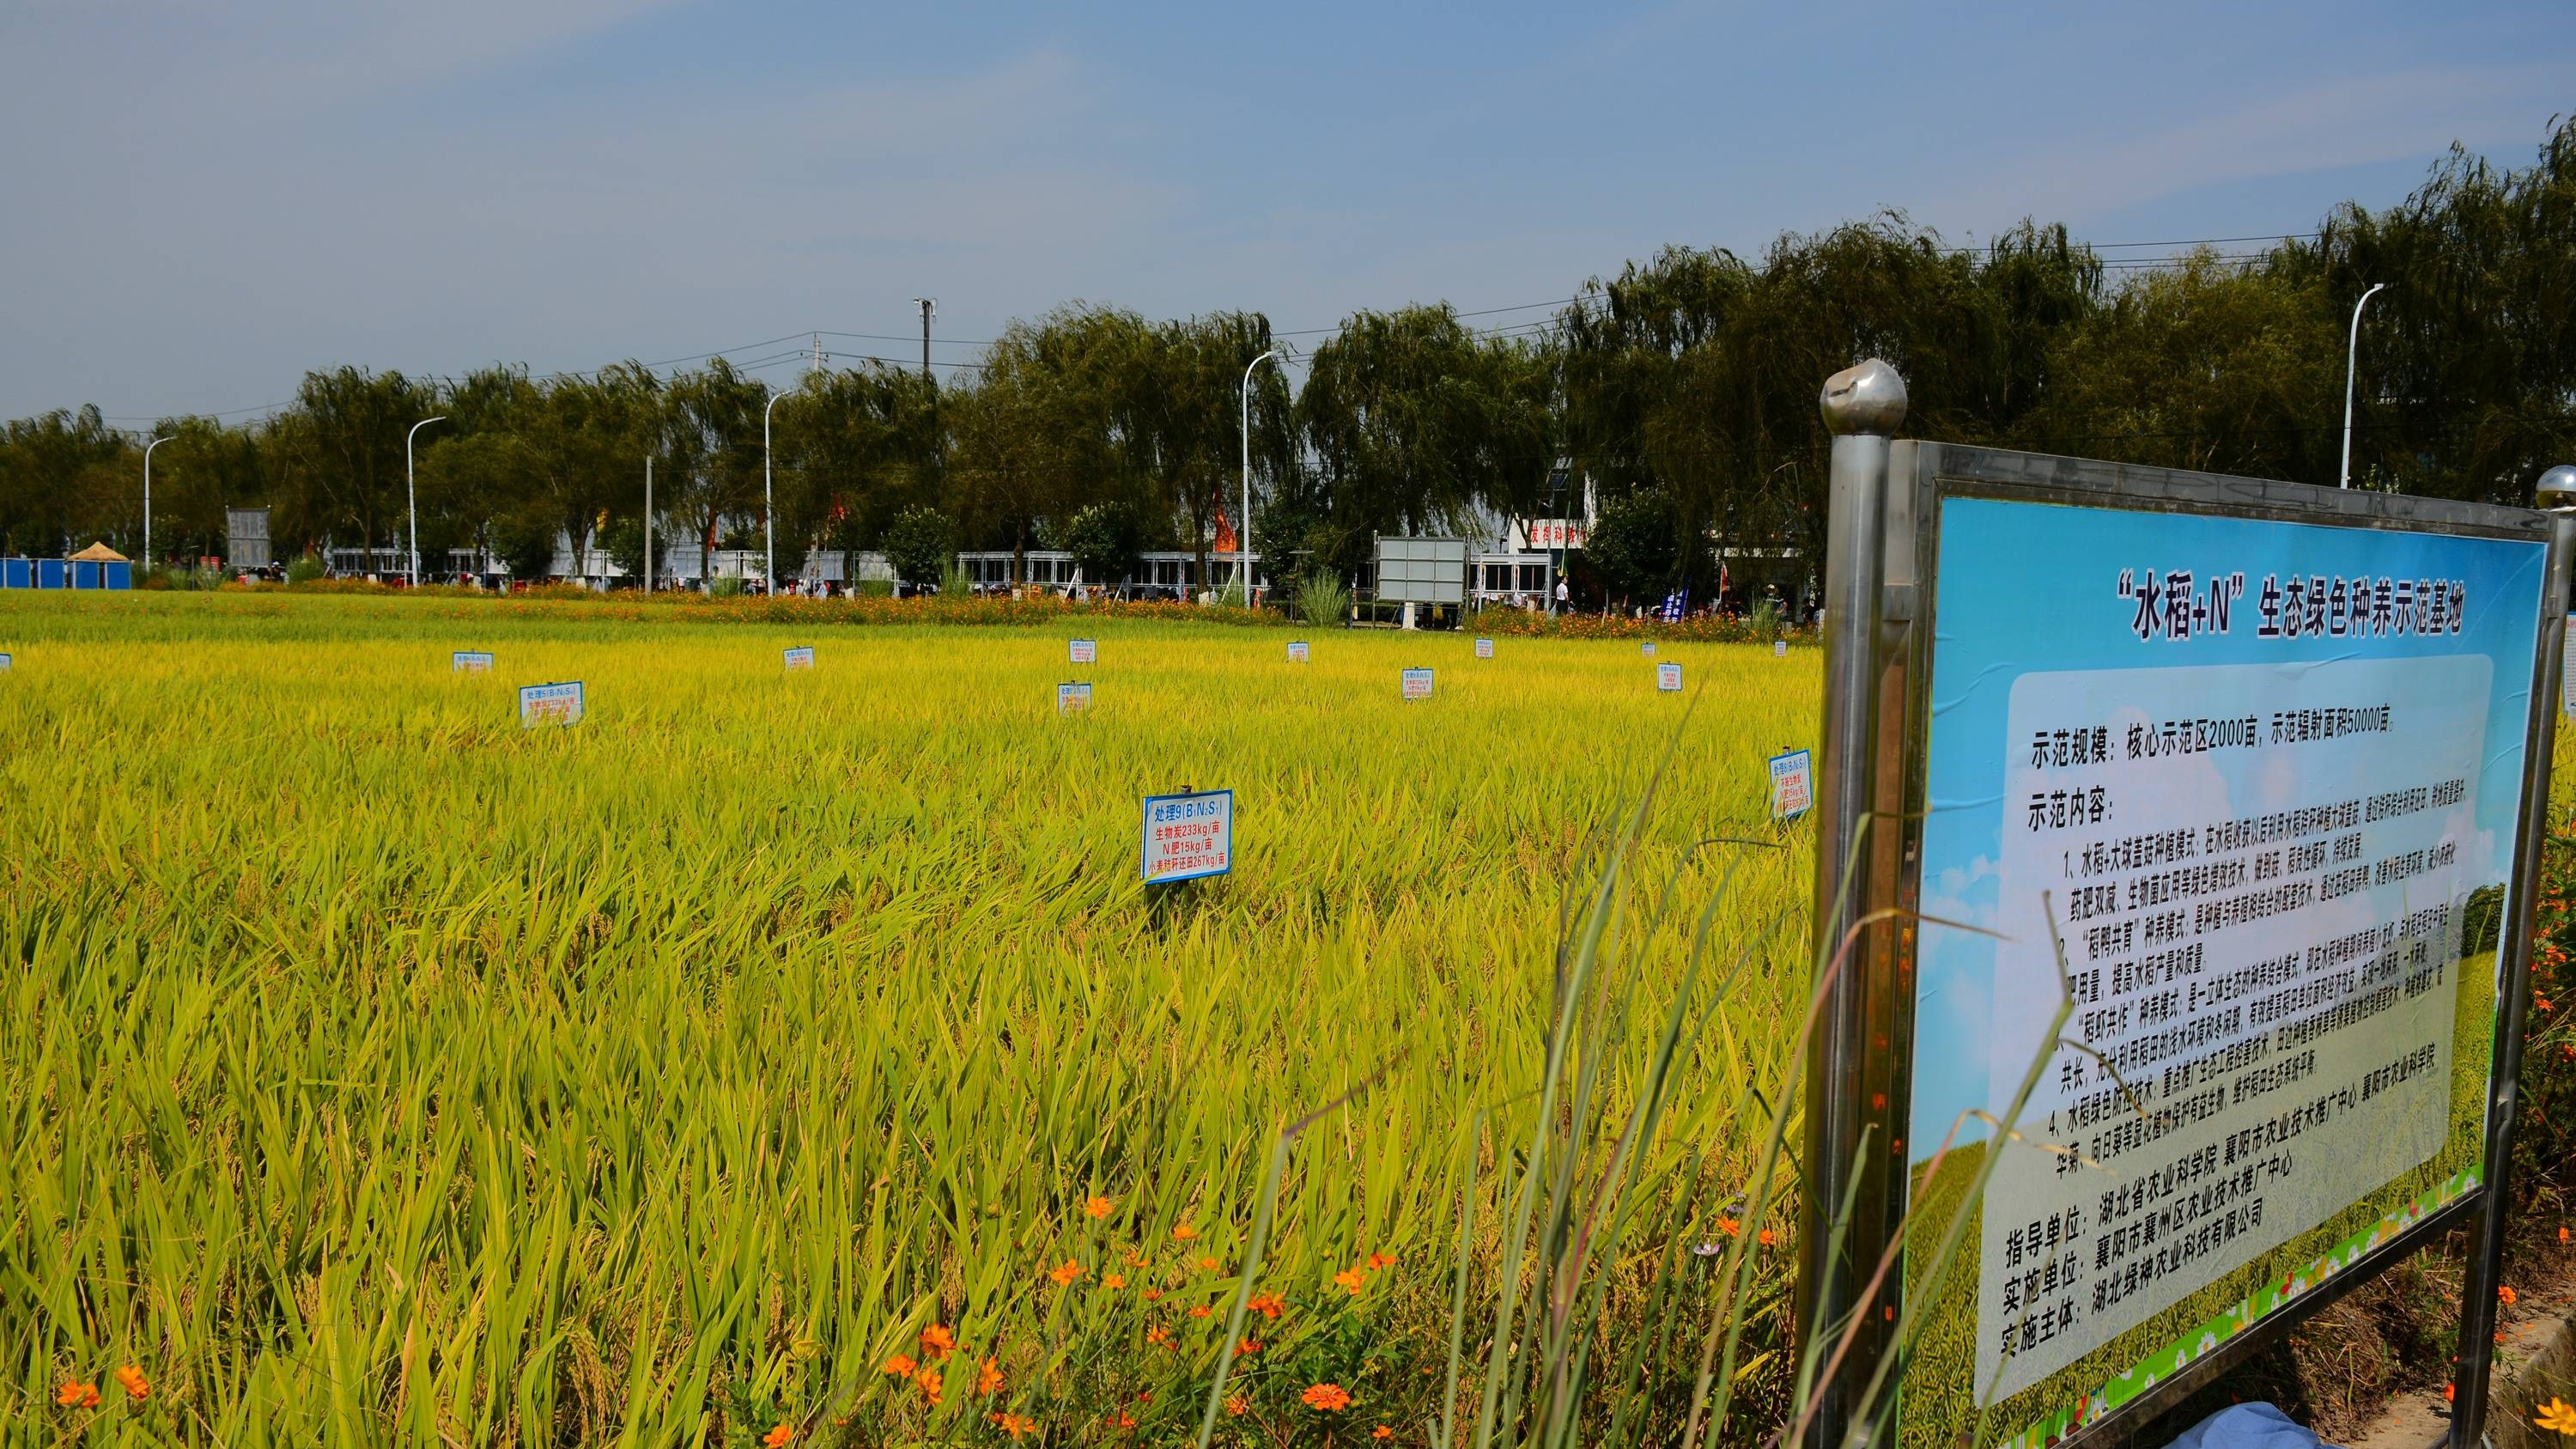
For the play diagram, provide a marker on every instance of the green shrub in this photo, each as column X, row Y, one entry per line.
column 1322, row 600
column 304, row 570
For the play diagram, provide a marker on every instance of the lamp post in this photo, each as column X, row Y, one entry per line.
column 2352, row 355
column 147, row 501
column 411, row 493
column 768, row 507
column 648, row 525
column 1243, row 533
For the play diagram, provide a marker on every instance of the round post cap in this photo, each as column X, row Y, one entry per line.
column 2557, row 487
column 1869, row 398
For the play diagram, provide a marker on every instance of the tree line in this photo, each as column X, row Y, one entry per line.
column 1682, row 391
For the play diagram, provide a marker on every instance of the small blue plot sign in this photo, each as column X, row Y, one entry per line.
column 800, row 657
column 1779, row 648
column 549, row 704
column 470, row 661
column 1793, row 785
column 1647, row 648
column 1083, row 651
column 1668, row 678
column 1187, row 836
column 7, row 662
column 1484, row 648
column 1296, row 651
column 1073, row 698
column 1417, row 684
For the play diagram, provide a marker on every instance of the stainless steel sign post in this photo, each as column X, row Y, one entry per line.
column 2243, row 783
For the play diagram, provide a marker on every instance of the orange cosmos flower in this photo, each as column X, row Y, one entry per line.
column 1235, row 1404
column 1380, row 1260
column 1201, row 1311
column 1159, row 1336
column 988, row 1377
column 2505, row 1294
column 1014, row 1425
column 937, row 1342
column 1065, row 1273
column 1767, row 1238
column 931, row 1385
column 130, row 1378
column 1248, row 1346
column 900, row 1366
column 1209, row 1264
column 1183, row 1232
column 1381, row 1432
column 785, row 1433
column 2562, row 1235
column 1123, row 1421
column 1266, row 1304
column 1327, row 1398
column 1351, row 1279
column 1096, row 1207
column 1113, row 1280
column 1730, row 1227
column 77, row 1395
column 1152, row 1294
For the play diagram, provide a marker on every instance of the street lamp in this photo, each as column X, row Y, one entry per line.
column 147, row 501
column 411, row 493
column 2352, row 354
column 1243, row 534
column 768, row 508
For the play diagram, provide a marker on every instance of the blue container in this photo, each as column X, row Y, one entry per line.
column 17, row 573
column 120, row 575
column 84, row 574
column 52, row 573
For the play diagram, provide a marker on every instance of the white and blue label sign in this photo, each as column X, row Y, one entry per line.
column 8, row 662
column 470, row 661
column 1793, row 785
column 1296, row 651
column 1417, row 684
column 800, row 657
column 1083, row 651
column 2263, row 780
column 1484, row 648
column 1668, row 678
column 1647, row 648
column 1187, row 836
column 1072, row 698
column 1779, row 648
column 550, row 704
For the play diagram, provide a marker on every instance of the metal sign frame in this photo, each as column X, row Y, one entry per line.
column 1871, row 805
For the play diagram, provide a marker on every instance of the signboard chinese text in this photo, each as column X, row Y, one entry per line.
column 1187, row 836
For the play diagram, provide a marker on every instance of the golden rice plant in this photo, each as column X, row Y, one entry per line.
column 797, row 1057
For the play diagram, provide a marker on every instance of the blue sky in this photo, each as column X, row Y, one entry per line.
column 205, row 198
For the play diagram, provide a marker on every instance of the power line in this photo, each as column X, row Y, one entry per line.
column 2108, row 263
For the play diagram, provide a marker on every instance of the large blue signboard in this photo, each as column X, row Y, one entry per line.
column 2257, row 785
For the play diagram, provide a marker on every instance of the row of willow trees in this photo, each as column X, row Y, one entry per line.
column 1684, row 390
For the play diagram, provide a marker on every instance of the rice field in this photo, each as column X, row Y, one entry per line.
column 796, row 1057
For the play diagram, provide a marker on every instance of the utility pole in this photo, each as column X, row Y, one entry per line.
column 648, row 525
column 818, row 352
column 929, row 308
